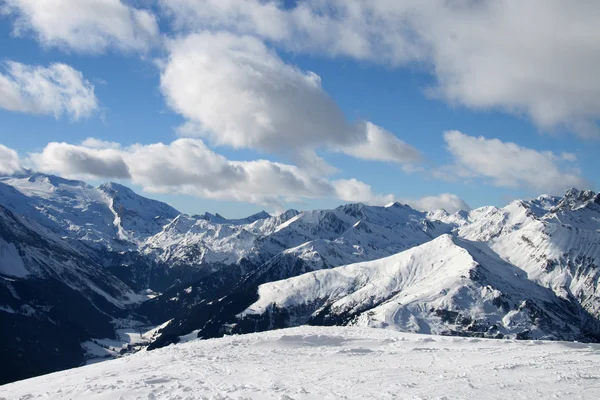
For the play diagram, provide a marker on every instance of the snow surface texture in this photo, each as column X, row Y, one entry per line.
column 333, row 363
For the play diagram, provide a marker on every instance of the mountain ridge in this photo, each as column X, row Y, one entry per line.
column 138, row 261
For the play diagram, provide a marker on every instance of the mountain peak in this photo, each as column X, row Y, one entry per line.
column 113, row 188
column 574, row 199
column 219, row 219
column 54, row 180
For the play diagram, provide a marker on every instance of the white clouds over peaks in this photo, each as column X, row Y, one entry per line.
column 536, row 57
column 510, row 165
column 353, row 190
column 447, row 201
column 54, row 90
column 9, row 161
column 81, row 161
column 239, row 93
column 89, row 26
column 188, row 166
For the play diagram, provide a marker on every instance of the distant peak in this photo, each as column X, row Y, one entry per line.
column 113, row 186
column 262, row 214
column 396, row 204
column 575, row 198
column 54, row 180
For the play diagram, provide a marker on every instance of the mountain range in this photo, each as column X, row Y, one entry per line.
column 79, row 263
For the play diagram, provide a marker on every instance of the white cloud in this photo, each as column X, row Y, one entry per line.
column 447, row 201
column 80, row 161
column 9, row 161
column 537, row 58
column 54, row 90
column 100, row 144
column 237, row 92
column 309, row 27
column 243, row 95
column 355, row 191
column 381, row 145
column 184, row 166
column 188, row 166
column 89, row 26
column 352, row 190
column 507, row 164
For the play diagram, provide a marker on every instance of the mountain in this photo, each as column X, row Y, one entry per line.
column 53, row 296
column 109, row 216
column 218, row 219
column 556, row 266
column 446, row 286
column 135, row 217
column 333, row 362
column 80, row 263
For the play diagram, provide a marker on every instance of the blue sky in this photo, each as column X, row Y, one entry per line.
column 520, row 134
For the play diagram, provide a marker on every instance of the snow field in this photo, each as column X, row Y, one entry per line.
column 333, row 363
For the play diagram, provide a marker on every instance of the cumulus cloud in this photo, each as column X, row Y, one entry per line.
column 381, row 145
column 537, row 58
column 100, row 144
column 355, row 191
column 447, row 201
column 81, row 161
column 89, row 26
column 9, row 161
column 507, row 164
column 188, row 166
column 237, row 92
column 185, row 166
column 352, row 190
column 54, row 90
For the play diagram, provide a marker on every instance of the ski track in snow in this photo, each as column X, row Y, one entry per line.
column 333, row 363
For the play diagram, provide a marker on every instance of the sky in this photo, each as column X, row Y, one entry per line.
column 235, row 106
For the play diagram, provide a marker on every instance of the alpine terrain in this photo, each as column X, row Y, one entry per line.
column 88, row 273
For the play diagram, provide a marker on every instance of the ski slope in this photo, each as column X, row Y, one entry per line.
column 333, row 363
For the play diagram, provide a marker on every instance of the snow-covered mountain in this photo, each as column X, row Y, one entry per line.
column 524, row 252
column 529, row 269
column 314, row 363
column 53, row 296
column 219, row 219
column 446, row 286
column 110, row 216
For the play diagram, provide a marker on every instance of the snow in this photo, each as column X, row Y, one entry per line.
column 11, row 262
column 128, row 341
column 332, row 363
column 443, row 286
column 399, row 266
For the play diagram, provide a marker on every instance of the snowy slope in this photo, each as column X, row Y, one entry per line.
column 321, row 238
column 110, row 216
column 52, row 297
column 135, row 217
column 529, row 269
column 445, row 286
column 72, row 209
column 190, row 241
column 312, row 363
column 561, row 257
column 555, row 240
column 516, row 238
